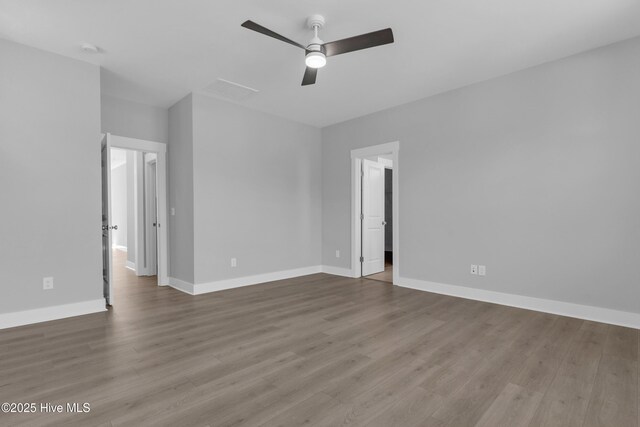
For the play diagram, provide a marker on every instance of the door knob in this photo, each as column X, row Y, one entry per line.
column 114, row 227
column 384, row 222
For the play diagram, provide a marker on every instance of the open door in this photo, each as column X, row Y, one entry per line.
column 372, row 217
column 107, row 267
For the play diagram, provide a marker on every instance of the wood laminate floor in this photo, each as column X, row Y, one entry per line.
column 320, row 350
column 384, row 276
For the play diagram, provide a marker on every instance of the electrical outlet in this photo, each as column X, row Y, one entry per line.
column 173, row 211
column 337, row 253
column 47, row 283
column 482, row 270
column 234, row 262
column 474, row 269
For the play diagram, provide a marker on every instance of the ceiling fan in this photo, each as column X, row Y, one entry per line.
column 317, row 51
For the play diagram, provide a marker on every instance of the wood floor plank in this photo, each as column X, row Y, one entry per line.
column 471, row 400
column 614, row 397
column 514, row 407
column 540, row 368
column 293, row 385
column 566, row 400
column 305, row 413
column 615, row 391
column 413, row 408
column 371, row 402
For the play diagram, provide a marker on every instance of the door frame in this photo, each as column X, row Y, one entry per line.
column 150, row 262
column 160, row 149
column 357, row 156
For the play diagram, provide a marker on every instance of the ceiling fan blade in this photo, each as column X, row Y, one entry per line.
column 260, row 29
column 309, row 76
column 364, row 41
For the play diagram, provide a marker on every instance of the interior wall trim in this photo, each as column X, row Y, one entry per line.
column 586, row 312
column 337, row 271
column 181, row 285
column 45, row 314
column 220, row 285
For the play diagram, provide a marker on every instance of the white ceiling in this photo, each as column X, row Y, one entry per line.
column 157, row 51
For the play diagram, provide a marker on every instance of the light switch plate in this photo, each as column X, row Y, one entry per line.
column 337, row 253
column 234, row 262
column 474, row 269
column 47, row 283
column 482, row 270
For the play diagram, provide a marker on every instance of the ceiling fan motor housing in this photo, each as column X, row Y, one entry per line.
column 315, row 47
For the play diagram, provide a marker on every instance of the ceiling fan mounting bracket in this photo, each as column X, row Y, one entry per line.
column 315, row 21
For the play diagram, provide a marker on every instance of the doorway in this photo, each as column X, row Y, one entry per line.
column 134, row 212
column 374, row 227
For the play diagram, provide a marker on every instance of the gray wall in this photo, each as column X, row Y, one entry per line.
column 180, row 182
column 257, row 191
column 49, row 179
column 126, row 118
column 534, row 174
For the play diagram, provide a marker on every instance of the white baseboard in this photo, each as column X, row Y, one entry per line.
column 181, row 285
column 131, row 265
column 27, row 317
column 597, row 314
column 220, row 285
column 237, row 282
column 337, row 271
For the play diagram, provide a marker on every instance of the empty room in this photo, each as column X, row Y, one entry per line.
column 286, row 213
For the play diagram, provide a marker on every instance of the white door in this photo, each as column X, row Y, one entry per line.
column 107, row 267
column 372, row 217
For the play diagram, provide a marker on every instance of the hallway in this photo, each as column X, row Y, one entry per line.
column 131, row 290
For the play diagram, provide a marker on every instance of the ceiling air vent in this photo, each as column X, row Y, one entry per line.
column 230, row 90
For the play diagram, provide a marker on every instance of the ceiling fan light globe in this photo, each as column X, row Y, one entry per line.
column 315, row 60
